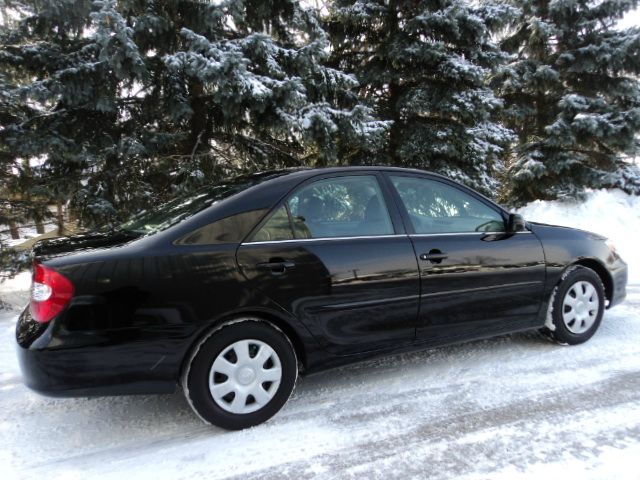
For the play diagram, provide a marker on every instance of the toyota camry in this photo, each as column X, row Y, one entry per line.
column 231, row 292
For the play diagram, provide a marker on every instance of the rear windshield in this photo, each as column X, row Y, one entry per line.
column 151, row 221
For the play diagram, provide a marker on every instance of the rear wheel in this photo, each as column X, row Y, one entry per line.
column 241, row 374
column 576, row 308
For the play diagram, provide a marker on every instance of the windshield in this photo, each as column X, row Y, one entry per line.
column 151, row 221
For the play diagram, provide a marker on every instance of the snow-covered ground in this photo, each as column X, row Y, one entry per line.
column 514, row 407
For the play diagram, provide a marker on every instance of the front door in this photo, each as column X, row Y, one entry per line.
column 336, row 258
column 476, row 279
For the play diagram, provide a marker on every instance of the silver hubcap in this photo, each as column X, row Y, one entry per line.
column 580, row 307
column 245, row 376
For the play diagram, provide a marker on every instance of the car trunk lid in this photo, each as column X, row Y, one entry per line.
column 61, row 246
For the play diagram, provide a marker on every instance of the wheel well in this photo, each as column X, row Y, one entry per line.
column 274, row 320
column 602, row 272
column 289, row 331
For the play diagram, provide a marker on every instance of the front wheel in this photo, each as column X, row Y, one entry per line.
column 577, row 306
column 241, row 374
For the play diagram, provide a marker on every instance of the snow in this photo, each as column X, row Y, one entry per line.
column 513, row 407
column 611, row 213
column 14, row 292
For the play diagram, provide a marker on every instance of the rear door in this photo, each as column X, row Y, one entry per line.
column 336, row 257
column 476, row 279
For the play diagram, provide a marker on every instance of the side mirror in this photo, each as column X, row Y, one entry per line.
column 516, row 223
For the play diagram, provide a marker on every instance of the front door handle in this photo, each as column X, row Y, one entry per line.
column 276, row 266
column 434, row 256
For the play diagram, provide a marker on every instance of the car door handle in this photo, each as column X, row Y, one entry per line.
column 276, row 266
column 434, row 256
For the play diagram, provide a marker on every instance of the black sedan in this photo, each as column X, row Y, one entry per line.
column 233, row 291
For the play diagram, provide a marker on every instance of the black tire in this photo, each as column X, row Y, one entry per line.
column 556, row 327
column 195, row 379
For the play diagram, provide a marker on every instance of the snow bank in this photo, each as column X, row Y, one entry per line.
column 611, row 213
column 14, row 292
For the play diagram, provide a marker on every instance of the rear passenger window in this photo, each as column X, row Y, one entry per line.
column 278, row 227
column 333, row 207
column 231, row 229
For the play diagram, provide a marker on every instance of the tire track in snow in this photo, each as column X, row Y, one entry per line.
column 446, row 447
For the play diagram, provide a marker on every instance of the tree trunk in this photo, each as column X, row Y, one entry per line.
column 198, row 135
column 60, row 218
column 72, row 214
column 13, row 229
column 37, row 218
column 395, row 131
column 39, row 225
column 392, row 110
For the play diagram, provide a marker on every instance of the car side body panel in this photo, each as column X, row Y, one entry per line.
column 564, row 247
column 488, row 282
column 350, row 303
column 133, row 320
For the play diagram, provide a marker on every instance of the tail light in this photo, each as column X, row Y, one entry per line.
column 50, row 293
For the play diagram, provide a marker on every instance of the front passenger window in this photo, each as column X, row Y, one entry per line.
column 435, row 207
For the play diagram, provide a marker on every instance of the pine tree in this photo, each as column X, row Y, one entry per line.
column 423, row 66
column 12, row 210
column 573, row 97
column 127, row 103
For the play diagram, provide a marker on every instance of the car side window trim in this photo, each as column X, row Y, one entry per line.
column 363, row 237
column 466, row 233
column 290, row 217
column 324, row 239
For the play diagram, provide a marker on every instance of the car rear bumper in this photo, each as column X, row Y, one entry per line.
column 54, row 369
column 51, row 373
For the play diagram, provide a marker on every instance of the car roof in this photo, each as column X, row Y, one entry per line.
column 306, row 172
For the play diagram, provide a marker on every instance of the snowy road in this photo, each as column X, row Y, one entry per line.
column 512, row 407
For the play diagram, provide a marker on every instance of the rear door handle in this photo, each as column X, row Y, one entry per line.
column 276, row 266
column 434, row 256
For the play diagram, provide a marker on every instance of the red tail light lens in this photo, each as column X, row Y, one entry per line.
column 50, row 293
